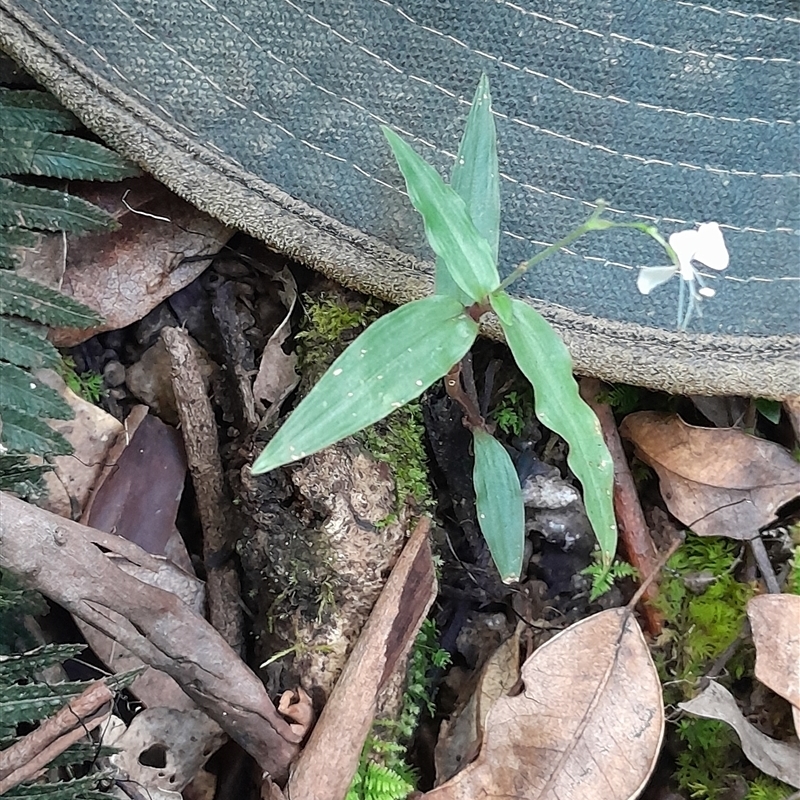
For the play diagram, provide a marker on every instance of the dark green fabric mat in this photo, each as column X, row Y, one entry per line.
column 266, row 113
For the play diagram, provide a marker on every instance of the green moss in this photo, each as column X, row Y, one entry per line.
column 398, row 440
column 513, row 411
column 700, row 626
column 793, row 580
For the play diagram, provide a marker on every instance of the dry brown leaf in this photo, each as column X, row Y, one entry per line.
column 778, row 759
column 277, row 374
column 718, row 481
column 126, row 273
column 589, row 723
column 775, row 621
column 182, row 741
column 460, row 736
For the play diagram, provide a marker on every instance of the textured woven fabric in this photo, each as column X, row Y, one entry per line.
column 267, row 114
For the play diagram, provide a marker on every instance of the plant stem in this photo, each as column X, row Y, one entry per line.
column 588, row 225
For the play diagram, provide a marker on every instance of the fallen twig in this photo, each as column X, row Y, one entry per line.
column 68, row 563
column 202, row 454
column 26, row 758
column 634, row 533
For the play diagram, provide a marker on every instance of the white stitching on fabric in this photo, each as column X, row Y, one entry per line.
column 582, row 92
column 732, row 12
column 371, row 177
column 638, row 42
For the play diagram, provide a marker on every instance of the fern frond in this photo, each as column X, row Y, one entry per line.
column 23, row 433
column 11, row 239
column 35, row 110
column 382, row 783
column 75, row 789
column 49, row 210
column 25, row 298
column 23, row 665
column 20, row 477
column 57, row 156
column 18, row 389
column 25, row 344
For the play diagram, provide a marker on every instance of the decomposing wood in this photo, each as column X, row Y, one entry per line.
column 791, row 406
column 634, row 533
column 67, row 562
column 330, row 758
column 26, row 758
column 199, row 430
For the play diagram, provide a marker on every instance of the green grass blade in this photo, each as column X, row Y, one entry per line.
column 498, row 497
column 475, row 179
column 391, row 363
column 545, row 361
column 448, row 226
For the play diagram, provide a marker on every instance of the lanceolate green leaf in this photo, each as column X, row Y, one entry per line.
column 475, row 179
column 24, row 298
column 20, row 108
column 498, row 498
column 391, row 363
column 545, row 361
column 450, row 231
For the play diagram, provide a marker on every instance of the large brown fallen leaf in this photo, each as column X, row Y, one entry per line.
column 781, row 760
column 717, row 481
column 775, row 621
column 126, row 273
column 588, row 725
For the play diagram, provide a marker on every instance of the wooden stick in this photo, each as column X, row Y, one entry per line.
column 26, row 758
column 199, row 430
column 61, row 559
column 330, row 758
column 633, row 530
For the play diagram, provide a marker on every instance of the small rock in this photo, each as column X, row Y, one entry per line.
column 548, row 491
column 113, row 374
column 568, row 527
column 148, row 327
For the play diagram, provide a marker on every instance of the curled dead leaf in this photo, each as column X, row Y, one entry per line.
column 778, row 759
column 775, row 621
column 589, row 723
column 718, row 481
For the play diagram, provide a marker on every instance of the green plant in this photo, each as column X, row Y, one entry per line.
column 512, row 411
column 382, row 771
column 88, row 385
column 407, row 350
column 603, row 578
column 700, row 625
column 31, row 126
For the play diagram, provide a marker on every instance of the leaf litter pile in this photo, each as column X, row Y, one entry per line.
column 337, row 628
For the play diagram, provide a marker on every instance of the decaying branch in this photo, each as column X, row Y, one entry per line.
column 26, row 758
column 67, row 562
column 633, row 530
column 199, row 429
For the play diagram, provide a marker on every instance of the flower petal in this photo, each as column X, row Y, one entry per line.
column 685, row 243
column 650, row 277
column 710, row 248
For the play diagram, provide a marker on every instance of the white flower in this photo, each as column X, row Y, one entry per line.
column 704, row 245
